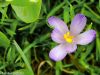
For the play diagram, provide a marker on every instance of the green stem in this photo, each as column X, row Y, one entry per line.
column 23, row 57
column 58, row 68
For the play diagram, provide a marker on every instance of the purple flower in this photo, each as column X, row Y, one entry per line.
column 68, row 39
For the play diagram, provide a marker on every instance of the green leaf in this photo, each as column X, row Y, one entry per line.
column 99, row 3
column 22, row 2
column 55, row 9
column 38, row 40
column 78, row 73
column 89, row 26
column 27, row 13
column 14, row 26
column 4, row 41
column 22, row 72
column 89, row 48
column 90, row 15
column 66, row 15
column 24, row 58
column 11, row 55
column 10, row 32
column 72, row 12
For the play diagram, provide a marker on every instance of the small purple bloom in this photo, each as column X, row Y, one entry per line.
column 68, row 39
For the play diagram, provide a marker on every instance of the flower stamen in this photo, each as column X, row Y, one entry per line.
column 68, row 37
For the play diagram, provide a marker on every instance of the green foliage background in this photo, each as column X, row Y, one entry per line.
column 25, row 37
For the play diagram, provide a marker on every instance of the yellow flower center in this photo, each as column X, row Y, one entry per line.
column 68, row 37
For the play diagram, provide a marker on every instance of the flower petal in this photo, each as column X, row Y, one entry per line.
column 86, row 37
column 71, row 47
column 58, row 53
column 78, row 24
column 57, row 36
column 58, row 24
